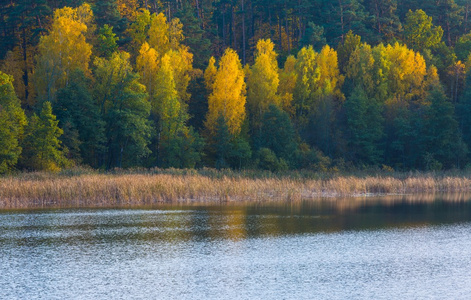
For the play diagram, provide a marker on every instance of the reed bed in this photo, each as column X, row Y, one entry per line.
column 147, row 188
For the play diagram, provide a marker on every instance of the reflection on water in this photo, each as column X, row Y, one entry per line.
column 397, row 247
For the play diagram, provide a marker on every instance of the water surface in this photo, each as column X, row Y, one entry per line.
column 332, row 249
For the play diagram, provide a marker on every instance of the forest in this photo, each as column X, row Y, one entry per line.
column 245, row 84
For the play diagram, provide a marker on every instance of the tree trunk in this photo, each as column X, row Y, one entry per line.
column 287, row 30
column 342, row 25
column 234, row 29
column 224, row 26
column 243, row 32
column 25, row 60
column 198, row 9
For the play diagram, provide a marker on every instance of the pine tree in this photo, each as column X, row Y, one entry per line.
column 79, row 117
column 107, row 41
column 106, row 12
column 43, row 149
column 278, row 134
column 442, row 138
column 364, row 125
column 195, row 36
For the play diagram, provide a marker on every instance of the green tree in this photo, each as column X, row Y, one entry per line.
column 419, row 32
column 386, row 22
column 125, row 109
column 463, row 47
column 278, row 134
column 42, row 148
column 12, row 123
column 178, row 145
column 106, row 12
column 229, row 150
column 314, row 36
column 107, row 41
column 351, row 43
column 442, row 138
column 364, row 127
column 464, row 112
column 195, row 35
column 79, row 117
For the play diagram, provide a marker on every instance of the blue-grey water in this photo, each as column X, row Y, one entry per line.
column 331, row 249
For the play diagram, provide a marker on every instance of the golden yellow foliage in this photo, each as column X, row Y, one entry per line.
column 159, row 33
column 165, row 40
column 330, row 80
column 175, row 33
column 147, row 66
column 210, row 74
column 287, row 84
column 263, row 80
column 318, row 76
column 139, row 28
column 400, row 72
column 128, row 9
column 63, row 50
column 181, row 62
column 228, row 96
column 167, row 105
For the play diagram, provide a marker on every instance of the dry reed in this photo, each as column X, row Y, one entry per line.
column 42, row 190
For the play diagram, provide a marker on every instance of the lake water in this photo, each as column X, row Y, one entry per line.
column 330, row 249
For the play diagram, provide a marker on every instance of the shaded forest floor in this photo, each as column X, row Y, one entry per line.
column 86, row 188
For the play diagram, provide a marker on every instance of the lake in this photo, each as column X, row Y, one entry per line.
column 376, row 248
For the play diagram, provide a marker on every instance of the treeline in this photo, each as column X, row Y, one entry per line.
column 240, row 84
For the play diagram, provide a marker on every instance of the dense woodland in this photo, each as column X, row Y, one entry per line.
column 270, row 84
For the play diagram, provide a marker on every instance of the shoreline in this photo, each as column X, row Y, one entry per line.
column 46, row 190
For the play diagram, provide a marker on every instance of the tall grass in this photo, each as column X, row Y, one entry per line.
column 132, row 188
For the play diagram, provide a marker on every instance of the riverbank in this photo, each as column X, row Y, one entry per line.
column 90, row 189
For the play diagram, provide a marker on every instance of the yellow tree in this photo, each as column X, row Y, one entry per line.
column 210, row 74
column 62, row 51
column 139, row 29
column 399, row 72
column 147, row 63
column 181, row 61
column 166, row 104
column 307, row 79
column 360, row 69
column 317, row 96
column 330, row 80
column 128, row 9
column 164, row 39
column 227, row 99
column 175, row 33
column 263, row 81
column 178, row 145
column 159, row 33
column 82, row 14
column 287, row 84
column 318, row 78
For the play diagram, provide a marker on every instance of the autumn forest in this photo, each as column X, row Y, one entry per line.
column 244, row 84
